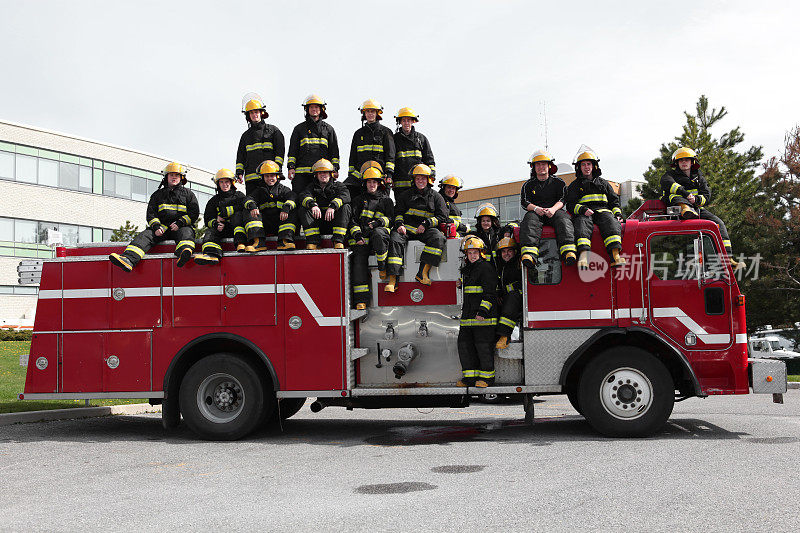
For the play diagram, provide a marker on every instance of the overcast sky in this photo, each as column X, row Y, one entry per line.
column 168, row 77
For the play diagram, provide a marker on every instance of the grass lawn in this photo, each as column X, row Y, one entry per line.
column 12, row 382
column 794, row 377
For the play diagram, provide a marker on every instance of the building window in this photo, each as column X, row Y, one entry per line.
column 26, row 168
column 48, row 172
column 28, row 238
column 6, row 165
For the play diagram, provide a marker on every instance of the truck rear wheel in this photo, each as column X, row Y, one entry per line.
column 626, row 392
column 222, row 397
column 572, row 396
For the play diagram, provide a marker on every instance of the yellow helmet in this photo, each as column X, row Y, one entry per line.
column 252, row 102
column 684, row 152
column 174, row 167
column 507, row 242
column 371, row 104
column 586, row 154
column 252, row 105
column 423, row 170
column 323, row 165
column 224, row 174
column 270, row 167
column 316, row 99
column 486, row 210
column 371, row 164
column 372, row 173
column 541, row 155
column 472, row 243
column 406, row 112
column 450, row 179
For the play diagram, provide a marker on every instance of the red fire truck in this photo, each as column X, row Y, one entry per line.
column 230, row 347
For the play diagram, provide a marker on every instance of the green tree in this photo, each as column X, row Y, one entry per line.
column 729, row 171
column 124, row 233
column 772, row 223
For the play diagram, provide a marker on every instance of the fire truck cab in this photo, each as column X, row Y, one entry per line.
column 230, row 347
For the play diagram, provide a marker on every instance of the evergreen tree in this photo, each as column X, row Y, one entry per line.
column 124, row 233
column 730, row 173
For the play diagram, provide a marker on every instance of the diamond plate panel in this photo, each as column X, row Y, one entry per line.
column 546, row 351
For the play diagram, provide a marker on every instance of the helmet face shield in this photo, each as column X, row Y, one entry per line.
column 315, row 99
column 251, row 102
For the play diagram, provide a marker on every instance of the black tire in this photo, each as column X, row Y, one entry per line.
column 289, row 407
column 626, row 392
column 222, row 397
column 572, row 396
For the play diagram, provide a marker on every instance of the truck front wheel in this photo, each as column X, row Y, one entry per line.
column 626, row 392
column 222, row 397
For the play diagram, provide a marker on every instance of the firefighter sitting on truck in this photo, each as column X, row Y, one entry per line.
column 591, row 200
column 261, row 141
column 311, row 140
column 542, row 199
column 273, row 205
column 171, row 214
column 325, row 206
column 222, row 217
column 448, row 188
column 510, row 283
column 418, row 213
column 685, row 185
column 411, row 149
column 478, row 316
column 371, row 142
column 372, row 211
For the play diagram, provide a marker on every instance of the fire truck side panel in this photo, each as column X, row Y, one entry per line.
column 131, row 371
column 80, row 362
column 566, row 300
column 42, row 374
column 136, row 300
column 48, row 304
column 313, row 319
column 197, row 295
column 546, row 351
column 249, row 289
column 86, row 295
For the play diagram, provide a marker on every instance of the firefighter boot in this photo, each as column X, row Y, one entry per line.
column 338, row 245
column 688, row 213
column 186, row 254
column 422, row 275
column 310, row 246
column 286, row 245
column 240, row 248
column 481, row 384
column 121, row 261
column 392, row 285
column 460, row 383
column 382, row 274
column 502, row 343
column 360, row 306
column 618, row 260
column 205, row 259
column 736, row 265
column 583, row 260
column 569, row 259
column 530, row 260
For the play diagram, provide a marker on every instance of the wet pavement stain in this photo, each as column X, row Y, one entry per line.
column 427, row 435
column 394, row 488
column 457, row 469
column 771, row 440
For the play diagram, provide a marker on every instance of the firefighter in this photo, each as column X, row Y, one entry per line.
column 542, row 199
column 487, row 228
column 411, row 149
column 510, row 283
column 685, row 186
column 272, row 205
column 326, row 207
column 591, row 200
column 418, row 213
column 478, row 316
column 261, row 141
column 311, row 140
column 171, row 214
column 369, row 231
column 448, row 188
column 222, row 217
column 371, row 142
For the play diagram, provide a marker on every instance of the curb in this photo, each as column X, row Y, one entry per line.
column 77, row 412
column 793, row 385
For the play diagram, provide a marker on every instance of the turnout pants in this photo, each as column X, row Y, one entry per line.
column 314, row 229
column 510, row 313
column 301, row 181
column 476, row 352
column 273, row 225
column 530, row 233
column 247, row 228
column 375, row 241
column 705, row 214
column 431, row 254
column 141, row 244
column 608, row 224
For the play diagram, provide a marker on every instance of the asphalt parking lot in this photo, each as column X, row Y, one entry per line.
column 721, row 464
